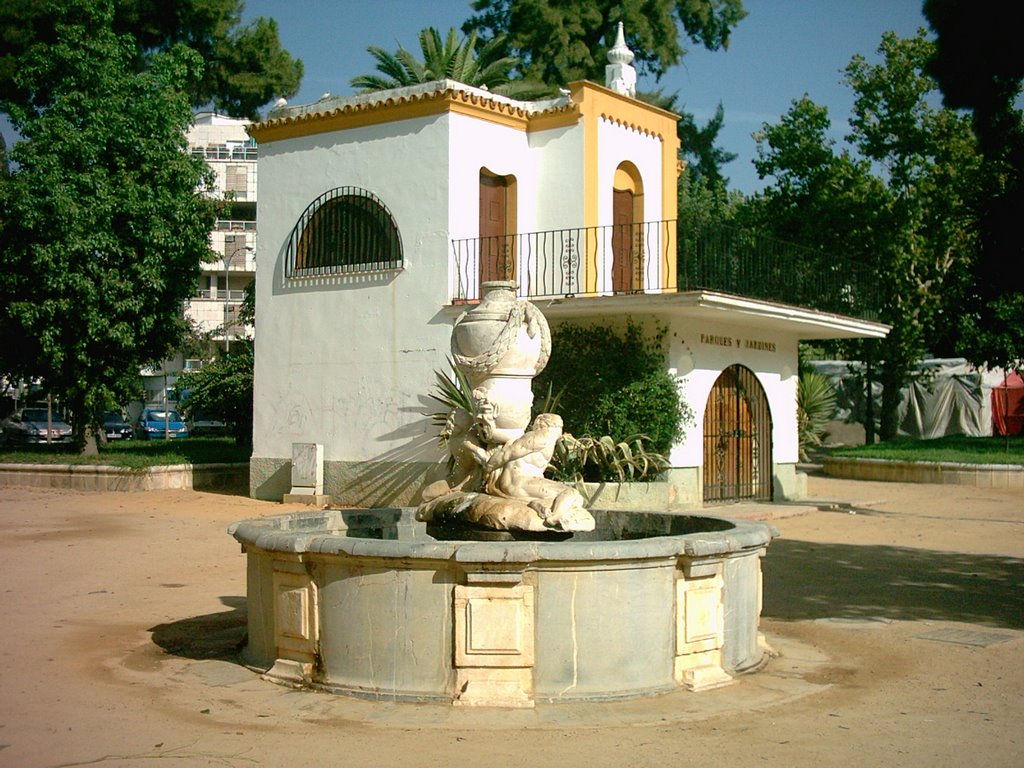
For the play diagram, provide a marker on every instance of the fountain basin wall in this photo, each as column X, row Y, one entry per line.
column 366, row 602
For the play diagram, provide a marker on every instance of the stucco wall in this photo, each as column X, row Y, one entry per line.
column 347, row 360
column 502, row 150
column 699, row 363
column 559, row 203
column 618, row 144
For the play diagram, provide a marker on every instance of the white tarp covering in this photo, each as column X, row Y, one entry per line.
column 950, row 398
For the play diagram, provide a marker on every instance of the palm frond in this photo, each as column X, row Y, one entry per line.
column 453, row 391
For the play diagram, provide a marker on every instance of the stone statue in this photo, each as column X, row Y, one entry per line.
column 497, row 465
column 515, row 470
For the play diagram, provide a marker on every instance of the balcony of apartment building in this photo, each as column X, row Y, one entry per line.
column 660, row 257
column 238, row 150
column 234, row 165
column 221, row 290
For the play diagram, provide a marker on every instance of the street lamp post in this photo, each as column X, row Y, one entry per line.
column 228, row 258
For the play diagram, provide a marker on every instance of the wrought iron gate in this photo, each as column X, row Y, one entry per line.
column 737, row 439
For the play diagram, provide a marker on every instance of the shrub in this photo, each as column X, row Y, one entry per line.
column 223, row 389
column 815, row 406
column 616, row 386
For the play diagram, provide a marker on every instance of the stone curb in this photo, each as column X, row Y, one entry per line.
column 1009, row 476
column 100, row 477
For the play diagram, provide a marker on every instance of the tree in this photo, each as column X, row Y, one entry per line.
column 558, row 42
column 245, row 64
column 699, row 145
column 463, row 60
column 102, row 219
column 895, row 200
column 979, row 66
column 223, row 388
column 822, row 198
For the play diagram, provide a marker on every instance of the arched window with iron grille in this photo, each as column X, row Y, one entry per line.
column 347, row 229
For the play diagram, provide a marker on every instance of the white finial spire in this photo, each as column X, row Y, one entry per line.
column 619, row 76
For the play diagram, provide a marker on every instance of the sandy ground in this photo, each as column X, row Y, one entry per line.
column 899, row 624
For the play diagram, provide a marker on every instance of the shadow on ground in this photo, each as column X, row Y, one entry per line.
column 806, row 581
column 212, row 636
column 803, row 581
column 228, row 488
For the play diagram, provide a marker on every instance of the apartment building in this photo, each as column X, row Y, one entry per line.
column 229, row 151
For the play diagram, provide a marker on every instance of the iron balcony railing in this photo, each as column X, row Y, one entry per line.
column 732, row 260
column 585, row 261
column 635, row 258
column 224, row 152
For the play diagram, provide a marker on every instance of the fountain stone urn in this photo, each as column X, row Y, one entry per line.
column 500, row 345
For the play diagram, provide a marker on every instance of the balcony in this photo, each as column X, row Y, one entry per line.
column 234, row 225
column 586, row 261
column 731, row 260
column 224, row 152
column 661, row 257
column 219, row 295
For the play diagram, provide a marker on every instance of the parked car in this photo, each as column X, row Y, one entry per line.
column 156, row 424
column 29, row 426
column 116, row 426
column 200, row 423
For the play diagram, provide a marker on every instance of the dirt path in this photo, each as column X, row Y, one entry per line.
column 122, row 611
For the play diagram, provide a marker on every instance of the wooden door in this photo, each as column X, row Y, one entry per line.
column 623, row 249
column 737, row 439
column 495, row 256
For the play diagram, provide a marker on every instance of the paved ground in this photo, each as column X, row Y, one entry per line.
column 899, row 620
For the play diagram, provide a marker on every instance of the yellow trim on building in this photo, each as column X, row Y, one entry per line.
column 595, row 103
column 423, row 105
column 589, row 104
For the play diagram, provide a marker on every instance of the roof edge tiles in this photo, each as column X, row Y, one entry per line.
column 437, row 97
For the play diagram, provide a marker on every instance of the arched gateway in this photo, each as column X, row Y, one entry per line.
column 737, row 439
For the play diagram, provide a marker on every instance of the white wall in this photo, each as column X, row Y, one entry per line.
column 616, row 145
column 502, row 150
column 700, row 363
column 347, row 360
column 560, row 177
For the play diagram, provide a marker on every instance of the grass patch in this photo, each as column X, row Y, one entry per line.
column 137, row 454
column 952, row 448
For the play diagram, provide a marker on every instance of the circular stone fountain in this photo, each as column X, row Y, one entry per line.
column 501, row 588
column 367, row 602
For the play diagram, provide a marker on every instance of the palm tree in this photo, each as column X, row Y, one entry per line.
column 451, row 59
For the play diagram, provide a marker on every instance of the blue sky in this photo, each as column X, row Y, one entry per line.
column 781, row 50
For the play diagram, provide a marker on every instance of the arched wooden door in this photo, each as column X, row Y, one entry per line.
column 737, row 439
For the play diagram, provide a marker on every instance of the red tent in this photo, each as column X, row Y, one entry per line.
column 1008, row 406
